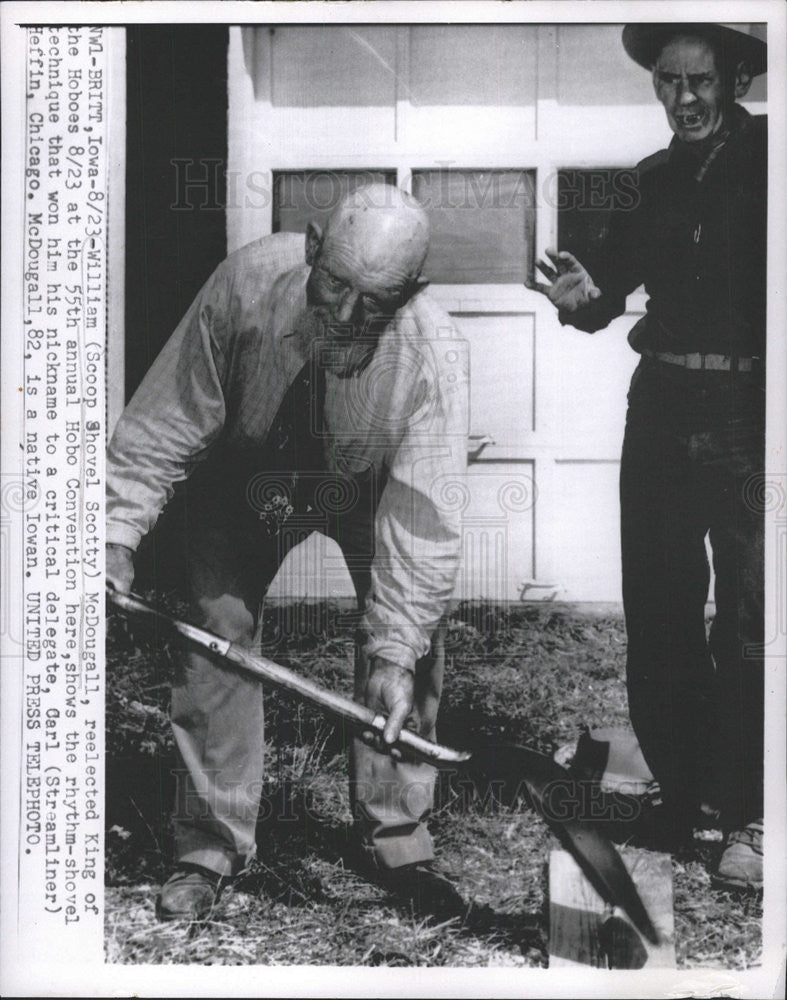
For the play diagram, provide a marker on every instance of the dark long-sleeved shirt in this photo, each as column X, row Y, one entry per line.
column 698, row 245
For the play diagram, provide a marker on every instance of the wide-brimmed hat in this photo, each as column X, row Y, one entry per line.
column 643, row 42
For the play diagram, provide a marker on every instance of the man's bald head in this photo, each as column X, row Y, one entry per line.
column 384, row 226
column 365, row 264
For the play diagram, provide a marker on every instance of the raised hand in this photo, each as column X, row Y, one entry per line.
column 571, row 286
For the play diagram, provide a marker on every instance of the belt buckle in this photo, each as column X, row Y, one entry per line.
column 695, row 361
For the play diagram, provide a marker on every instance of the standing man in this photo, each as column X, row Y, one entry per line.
column 694, row 441
column 295, row 396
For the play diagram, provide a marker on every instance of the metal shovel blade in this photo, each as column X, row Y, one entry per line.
column 513, row 771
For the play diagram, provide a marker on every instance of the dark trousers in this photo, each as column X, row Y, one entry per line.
column 692, row 455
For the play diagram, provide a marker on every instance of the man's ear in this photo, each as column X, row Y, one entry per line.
column 742, row 80
column 415, row 287
column 412, row 287
column 313, row 243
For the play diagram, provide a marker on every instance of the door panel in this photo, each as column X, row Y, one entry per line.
column 595, row 374
column 497, row 531
column 502, row 378
column 587, row 545
column 482, row 225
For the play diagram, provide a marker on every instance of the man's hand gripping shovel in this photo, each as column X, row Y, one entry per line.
column 508, row 769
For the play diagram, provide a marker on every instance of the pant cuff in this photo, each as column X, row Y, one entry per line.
column 409, row 849
column 211, row 856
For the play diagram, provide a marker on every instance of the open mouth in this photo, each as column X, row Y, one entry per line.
column 690, row 120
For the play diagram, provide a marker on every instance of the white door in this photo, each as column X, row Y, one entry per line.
column 481, row 122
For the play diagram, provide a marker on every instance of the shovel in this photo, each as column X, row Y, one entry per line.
column 508, row 769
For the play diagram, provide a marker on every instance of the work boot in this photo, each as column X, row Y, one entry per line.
column 427, row 889
column 190, row 893
column 740, row 866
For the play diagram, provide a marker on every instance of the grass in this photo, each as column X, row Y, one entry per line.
column 531, row 673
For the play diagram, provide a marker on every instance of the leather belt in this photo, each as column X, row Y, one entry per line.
column 704, row 362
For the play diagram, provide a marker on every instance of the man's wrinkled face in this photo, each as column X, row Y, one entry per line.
column 349, row 293
column 689, row 85
column 363, row 270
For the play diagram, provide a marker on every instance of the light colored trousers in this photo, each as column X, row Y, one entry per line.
column 217, row 713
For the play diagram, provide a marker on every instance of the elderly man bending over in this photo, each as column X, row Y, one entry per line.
column 330, row 395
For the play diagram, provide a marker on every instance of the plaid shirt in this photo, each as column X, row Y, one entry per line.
column 217, row 386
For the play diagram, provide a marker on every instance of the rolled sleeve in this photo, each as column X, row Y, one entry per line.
column 418, row 528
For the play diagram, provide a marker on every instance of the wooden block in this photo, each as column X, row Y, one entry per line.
column 584, row 932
